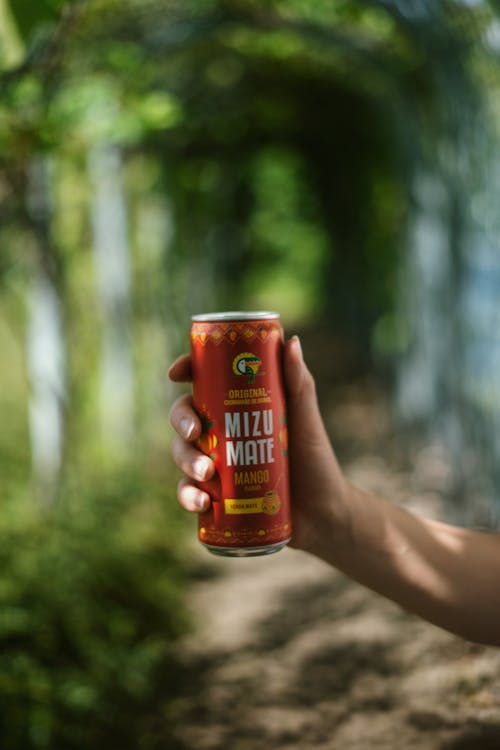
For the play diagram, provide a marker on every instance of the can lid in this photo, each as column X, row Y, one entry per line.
column 235, row 315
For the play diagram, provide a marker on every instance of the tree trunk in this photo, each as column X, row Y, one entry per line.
column 111, row 257
column 46, row 350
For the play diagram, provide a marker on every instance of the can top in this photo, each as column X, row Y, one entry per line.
column 235, row 315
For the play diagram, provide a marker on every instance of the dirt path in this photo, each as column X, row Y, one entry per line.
column 290, row 654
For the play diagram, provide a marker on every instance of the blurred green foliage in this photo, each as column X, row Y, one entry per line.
column 290, row 244
column 89, row 613
column 348, row 92
column 30, row 17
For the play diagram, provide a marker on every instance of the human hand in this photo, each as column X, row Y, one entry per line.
column 447, row 575
column 316, row 481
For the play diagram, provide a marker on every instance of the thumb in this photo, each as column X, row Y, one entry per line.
column 303, row 410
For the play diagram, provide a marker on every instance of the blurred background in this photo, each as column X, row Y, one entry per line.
column 338, row 162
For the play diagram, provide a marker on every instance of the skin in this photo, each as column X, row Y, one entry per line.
column 445, row 574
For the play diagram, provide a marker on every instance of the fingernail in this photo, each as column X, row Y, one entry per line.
column 298, row 345
column 187, row 426
column 201, row 502
column 201, row 467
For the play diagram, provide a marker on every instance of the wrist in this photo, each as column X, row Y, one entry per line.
column 327, row 529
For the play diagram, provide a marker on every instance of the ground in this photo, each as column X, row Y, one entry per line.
column 289, row 654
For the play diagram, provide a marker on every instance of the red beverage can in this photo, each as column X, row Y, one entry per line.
column 238, row 392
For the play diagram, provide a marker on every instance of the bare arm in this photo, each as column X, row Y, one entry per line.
column 448, row 575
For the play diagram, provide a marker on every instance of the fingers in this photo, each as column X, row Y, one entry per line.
column 187, row 424
column 298, row 379
column 193, row 463
column 197, row 467
column 191, row 497
column 303, row 407
column 180, row 370
column 184, row 419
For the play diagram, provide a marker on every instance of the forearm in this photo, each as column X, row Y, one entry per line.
column 447, row 575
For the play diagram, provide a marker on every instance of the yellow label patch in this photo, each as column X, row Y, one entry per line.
column 237, row 506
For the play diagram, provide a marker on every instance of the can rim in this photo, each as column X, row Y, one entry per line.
column 235, row 315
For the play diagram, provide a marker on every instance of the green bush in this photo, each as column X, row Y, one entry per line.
column 90, row 609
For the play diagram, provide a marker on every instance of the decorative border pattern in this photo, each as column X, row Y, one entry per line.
column 232, row 331
column 244, row 537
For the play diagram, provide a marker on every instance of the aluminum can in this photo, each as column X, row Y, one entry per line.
column 239, row 394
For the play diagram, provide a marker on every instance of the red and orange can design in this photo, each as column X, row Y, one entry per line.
column 239, row 394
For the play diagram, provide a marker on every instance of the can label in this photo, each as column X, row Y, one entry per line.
column 238, row 392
